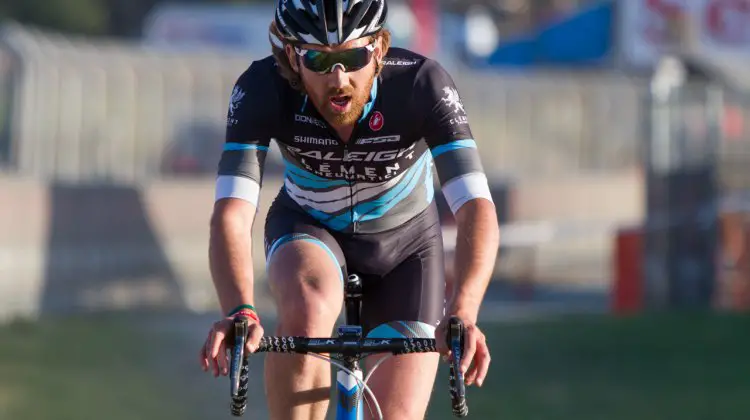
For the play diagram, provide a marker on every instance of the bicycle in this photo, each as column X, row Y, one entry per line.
column 352, row 348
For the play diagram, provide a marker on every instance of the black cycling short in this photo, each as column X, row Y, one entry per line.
column 402, row 269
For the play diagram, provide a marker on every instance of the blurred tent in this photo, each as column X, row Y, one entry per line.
column 537, row 33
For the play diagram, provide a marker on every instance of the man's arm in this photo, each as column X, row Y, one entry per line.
column 253, row 111
column 464, row 185
column 477, row 242
column 466, row 190
column 230, row 253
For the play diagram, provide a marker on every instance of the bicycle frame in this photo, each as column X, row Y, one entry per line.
column 351, row 347
column 350, row 396
column 349, row 392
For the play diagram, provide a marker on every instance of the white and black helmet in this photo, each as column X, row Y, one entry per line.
column 329, row 22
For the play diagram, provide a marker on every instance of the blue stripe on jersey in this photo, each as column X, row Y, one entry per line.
column 454, row 145
column 336, row 223
column 429, row 183
column 371, row 103
column 243, row 146
column 377, row 208
column 306, row 179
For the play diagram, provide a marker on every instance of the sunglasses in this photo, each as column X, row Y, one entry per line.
column 323, row 62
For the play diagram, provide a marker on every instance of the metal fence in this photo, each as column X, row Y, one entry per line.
column 696, row 163
column 553, row 124
column 91, row 111
column 77, row 112
column 82, row 110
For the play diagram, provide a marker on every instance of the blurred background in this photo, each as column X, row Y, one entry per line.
column 614, row 134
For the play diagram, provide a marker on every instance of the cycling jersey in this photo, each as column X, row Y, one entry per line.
column 378, row 180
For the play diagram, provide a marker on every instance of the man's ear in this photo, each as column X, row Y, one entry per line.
column 291, row 55
column 379, row 49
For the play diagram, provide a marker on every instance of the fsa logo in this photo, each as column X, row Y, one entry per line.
column 379, row 140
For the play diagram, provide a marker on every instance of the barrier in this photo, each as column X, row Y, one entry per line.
column 92, row 110
column 732, row 291
column 627, row 287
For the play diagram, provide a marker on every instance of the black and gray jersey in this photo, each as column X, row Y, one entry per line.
column 378, row 179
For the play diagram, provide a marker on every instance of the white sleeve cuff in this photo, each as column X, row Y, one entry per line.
column 460, row 190
column 228, row 186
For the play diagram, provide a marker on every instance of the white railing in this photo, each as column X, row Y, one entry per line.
column 88, row 110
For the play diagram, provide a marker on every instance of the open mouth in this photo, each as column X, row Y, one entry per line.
column 340, row 103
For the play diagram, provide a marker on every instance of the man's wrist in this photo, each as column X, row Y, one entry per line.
column 466, row 300
column 246, row 313
column 241, row 308
column 466, row 312
column 244, row 310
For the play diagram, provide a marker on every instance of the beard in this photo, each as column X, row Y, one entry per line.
column 358, row 100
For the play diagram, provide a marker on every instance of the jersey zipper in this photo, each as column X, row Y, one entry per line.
column 351, row 191
column 350, row 183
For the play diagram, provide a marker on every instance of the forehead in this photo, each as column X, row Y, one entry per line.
column 355, row 43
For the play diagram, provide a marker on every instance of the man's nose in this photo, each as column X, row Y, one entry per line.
column 338, row 78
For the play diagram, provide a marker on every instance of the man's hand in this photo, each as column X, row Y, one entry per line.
column 220, row 338
column 475, row 350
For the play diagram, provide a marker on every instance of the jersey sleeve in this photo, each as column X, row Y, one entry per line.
column 448, row 135
column 251, row 117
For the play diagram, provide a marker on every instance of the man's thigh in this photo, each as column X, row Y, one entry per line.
column 305, row 273
column 408, row 302
column 305, row 267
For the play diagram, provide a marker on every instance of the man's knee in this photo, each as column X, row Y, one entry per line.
column 306, row 284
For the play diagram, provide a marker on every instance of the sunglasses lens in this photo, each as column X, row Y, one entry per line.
column 316, row 61
column 322, row 62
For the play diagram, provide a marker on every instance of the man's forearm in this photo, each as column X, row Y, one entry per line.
column 230, row 260
column 477, row 243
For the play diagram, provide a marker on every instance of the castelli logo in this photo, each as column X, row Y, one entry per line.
column 376, row 121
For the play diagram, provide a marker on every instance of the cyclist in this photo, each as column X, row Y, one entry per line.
column 359, row 125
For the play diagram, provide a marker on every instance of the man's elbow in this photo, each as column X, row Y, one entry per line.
column 479, row 213
column 475, row 210
column 232, row 215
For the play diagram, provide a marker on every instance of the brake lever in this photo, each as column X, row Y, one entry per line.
column 456, row 341
column 235, row 373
